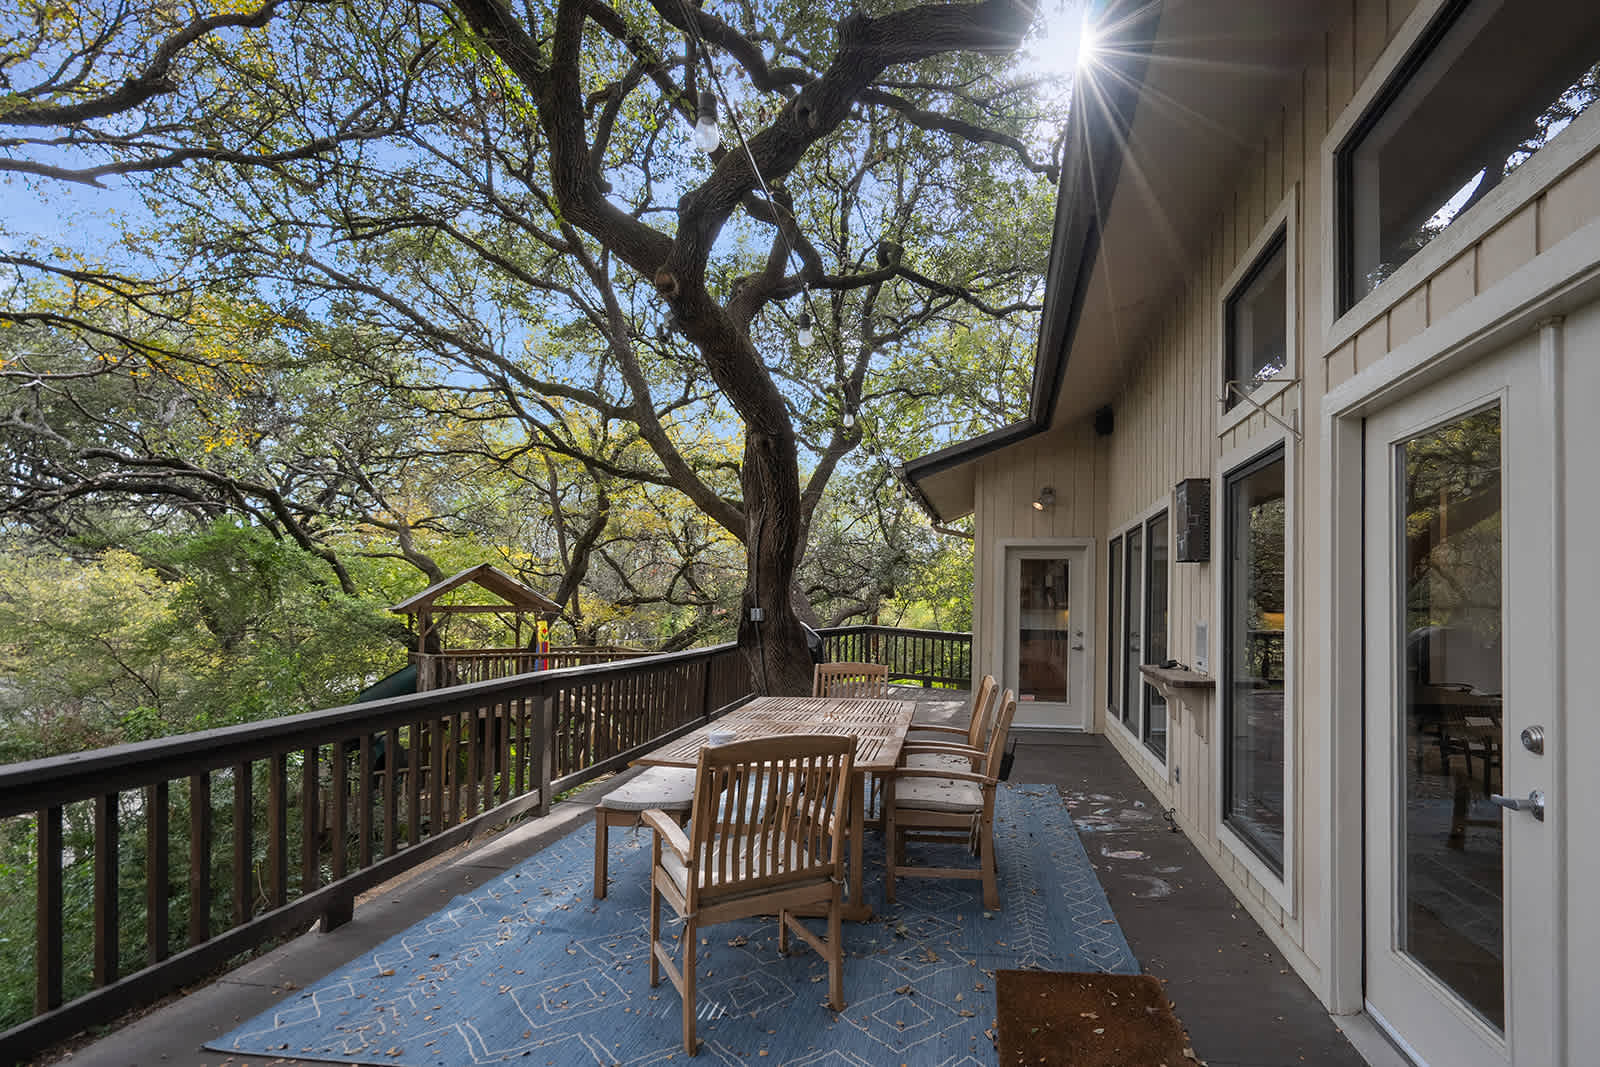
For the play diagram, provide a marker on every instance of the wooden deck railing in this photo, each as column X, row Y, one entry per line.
column 438, row 670
column 930, row 657
column 190, row 850
column 198, row 847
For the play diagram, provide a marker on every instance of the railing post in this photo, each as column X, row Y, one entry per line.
column 107, row 833
column 544, row 750
column 47, row 962
column 702, row 692
column 199, row 858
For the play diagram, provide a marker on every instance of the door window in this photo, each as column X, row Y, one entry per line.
column 1044, row 635
column 1448, row 597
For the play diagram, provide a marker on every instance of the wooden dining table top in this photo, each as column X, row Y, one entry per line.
column 879, row 727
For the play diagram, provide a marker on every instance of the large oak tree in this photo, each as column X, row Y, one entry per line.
column 511, row 190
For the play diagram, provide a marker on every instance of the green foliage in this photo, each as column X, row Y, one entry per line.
column 229, row 625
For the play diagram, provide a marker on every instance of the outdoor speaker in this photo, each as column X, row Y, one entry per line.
column 1191, row 520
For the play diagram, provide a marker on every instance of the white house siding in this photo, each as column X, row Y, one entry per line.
column 1167, row 429
column 1071, row 461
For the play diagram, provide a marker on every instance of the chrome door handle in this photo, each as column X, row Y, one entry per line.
column 1077, row 647
column 1533, row 804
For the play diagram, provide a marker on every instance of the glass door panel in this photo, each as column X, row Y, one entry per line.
column 1044, row 634
column 1449, row 601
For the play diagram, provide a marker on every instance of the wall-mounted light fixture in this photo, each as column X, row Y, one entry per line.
column 1046, row 497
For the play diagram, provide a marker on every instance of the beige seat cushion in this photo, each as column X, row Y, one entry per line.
column 938, row 794
column 664, row 788
column 680, row 875
column 938, row 761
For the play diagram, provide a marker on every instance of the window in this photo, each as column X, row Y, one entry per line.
column 1138, row 625
column 1253, row 604
column 1114, row 623
column 1257, row 323
column 1155, row 627
column 1132, row 621
column 1489, row 84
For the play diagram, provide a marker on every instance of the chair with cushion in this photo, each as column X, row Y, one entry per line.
column 959, row 748
column 850, row 680
column 669, row 789
column 946, row 806
column 757, row 844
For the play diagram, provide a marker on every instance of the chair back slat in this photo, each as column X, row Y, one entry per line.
column 983, row 705
column 764, row 812
column 997, row 738
column 850, row 680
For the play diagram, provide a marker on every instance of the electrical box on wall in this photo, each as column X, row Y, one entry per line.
column 1191, row 520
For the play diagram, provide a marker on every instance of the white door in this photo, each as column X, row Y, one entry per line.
column 1047, row 635
column 1461, row 943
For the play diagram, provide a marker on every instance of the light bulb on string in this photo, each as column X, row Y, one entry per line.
column 707, row 135
column 849, row 419
column 806, row 335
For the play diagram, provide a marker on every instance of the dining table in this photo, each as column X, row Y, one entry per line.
column 878, row 725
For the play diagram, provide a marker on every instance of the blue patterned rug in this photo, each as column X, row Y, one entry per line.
column 529, row 967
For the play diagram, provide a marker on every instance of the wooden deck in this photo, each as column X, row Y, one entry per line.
column 1183, row 925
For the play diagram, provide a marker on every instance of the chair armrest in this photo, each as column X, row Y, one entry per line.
column 922, row 727
column 956, row 776
column 667, row 828
column 943, row 747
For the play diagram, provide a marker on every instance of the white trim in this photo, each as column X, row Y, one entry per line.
column 1565, row 278
column 1086, row 681
column 1527, row 183
column 1554, row 283
column 1280, row 888
column 1342, row 689
column 1286, row 216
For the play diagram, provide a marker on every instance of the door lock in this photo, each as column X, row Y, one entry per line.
column 1534, row 803
column 1533, row 740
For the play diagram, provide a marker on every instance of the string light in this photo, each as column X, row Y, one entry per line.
column 707, row 135
column 806, row 335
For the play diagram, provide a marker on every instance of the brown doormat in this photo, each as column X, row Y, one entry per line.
column 1063, row 1019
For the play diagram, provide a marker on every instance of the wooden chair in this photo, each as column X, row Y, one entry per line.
column 958, row 748
column 757, row 845
column 946, row 806
column 669, row 789
column 850, row 680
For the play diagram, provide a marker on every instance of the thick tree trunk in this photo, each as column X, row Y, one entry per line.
column 775, row 647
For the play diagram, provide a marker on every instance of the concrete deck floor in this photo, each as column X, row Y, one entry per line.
column 1242, row 1004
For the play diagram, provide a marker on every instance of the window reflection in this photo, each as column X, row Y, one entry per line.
column 1253, row 718
column 1450, row 603
column 1155, row 705
column 1498, row 84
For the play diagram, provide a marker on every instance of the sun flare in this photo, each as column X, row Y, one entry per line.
column 1062, row 41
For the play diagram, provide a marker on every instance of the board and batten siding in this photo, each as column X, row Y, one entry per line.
column 1071, row 461
column 1169, row 426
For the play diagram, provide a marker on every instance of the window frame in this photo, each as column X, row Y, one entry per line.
column 1278, row 884
column 1440, row 22
column 1281, row 224
column 1513, row 195
column 1132, row 717
column 1148, row 693
column 1277, row 453
column 1114, row 608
